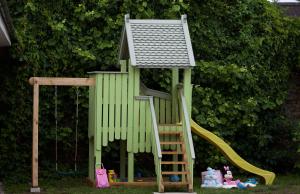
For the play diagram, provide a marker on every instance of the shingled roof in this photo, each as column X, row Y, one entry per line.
column 157, row 43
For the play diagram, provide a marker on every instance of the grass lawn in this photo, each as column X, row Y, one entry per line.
column 283, row 185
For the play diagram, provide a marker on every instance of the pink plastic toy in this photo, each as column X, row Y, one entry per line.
column 101, row 178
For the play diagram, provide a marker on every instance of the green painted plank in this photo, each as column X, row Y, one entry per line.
column 175, row 81
column 142, row 125
column 99, row 89
column 173, row 138
column 130, row 108
column 112, row 101
column 136, row 127
column 91, row 112
column 118, row 106
column 124, row 106
column 162, row 111
column 91, row 160
column 105, row 108
column 168, row 111
column 148, row 127
column 187, row 88
column 156, row 108
column 122, row 159
column 130, row 166
column 95, row 120
column 167, row 138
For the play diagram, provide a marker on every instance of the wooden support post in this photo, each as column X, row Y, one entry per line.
column 123, row 65
column 91, row 160
column 130, row 166
column 122, row 159
column 187, row 89
column 175, row 81
column 35, row 140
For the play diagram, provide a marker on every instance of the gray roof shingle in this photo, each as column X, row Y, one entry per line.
column 157, row 43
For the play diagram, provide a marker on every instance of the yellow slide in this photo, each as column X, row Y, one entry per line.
column 231, row 154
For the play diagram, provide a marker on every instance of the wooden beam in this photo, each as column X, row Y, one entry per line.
column 35, row 137
column 62, row 81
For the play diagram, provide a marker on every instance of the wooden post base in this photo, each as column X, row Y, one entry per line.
column 35, row 190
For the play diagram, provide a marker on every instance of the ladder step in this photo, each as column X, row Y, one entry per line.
column 174, row 172
column 170, row 133
column 170, row 125
column 171, row 152
column 173, row 162
column 171, row 142
column 175, row 183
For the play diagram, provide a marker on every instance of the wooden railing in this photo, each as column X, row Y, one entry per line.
column 162, row 104
column 187, row 135
column 111, row 103
column 156, row 149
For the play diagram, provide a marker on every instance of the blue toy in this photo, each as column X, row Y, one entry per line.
column 251, row 182
column 174, row 178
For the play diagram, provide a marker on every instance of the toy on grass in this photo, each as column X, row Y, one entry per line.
column 211, row 178
column 112, row 176
column 251, row 182
column 228, row 182
column 174, row 178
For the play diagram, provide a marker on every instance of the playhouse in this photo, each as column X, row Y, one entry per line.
column 123, row 108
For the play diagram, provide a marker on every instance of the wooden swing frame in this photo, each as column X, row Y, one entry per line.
column 46, row 81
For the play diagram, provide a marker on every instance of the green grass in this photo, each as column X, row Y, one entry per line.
column 283, row 185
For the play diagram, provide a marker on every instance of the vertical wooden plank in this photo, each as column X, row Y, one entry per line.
column 167, row 137
column 173, row 138
column 136, row 111
column 130, row 166
column 156, row 108
column 162, row 111
column 175, row 81
column 35, row 136
column 168, row 112
column 148, row 127
column 130, row 108
column 90, row 114
column 98, row 112
column 123, row 65
column 142, row 125
column 124, row 106
column 118, row 106
column 112, row 101
column 91, row 160
column 97, row 120
column 105, row 108
column 187, row 88
column 122, row 159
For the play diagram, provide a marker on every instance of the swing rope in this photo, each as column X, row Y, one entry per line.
column 55, row 115
column 76, row 130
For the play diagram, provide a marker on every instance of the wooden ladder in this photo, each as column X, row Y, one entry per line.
column 172, row 144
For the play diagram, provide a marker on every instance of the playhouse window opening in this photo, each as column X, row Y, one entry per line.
column 157, row 79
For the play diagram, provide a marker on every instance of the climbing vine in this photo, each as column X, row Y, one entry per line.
column 244, row 50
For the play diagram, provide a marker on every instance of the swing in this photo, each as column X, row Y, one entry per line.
column 75, row 171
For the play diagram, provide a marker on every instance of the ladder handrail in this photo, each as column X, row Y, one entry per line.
column 154, row 123
column 187, row 123
column 154, row 93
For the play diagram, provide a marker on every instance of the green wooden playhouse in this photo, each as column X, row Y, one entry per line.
column 143, row 120
column 122, row 108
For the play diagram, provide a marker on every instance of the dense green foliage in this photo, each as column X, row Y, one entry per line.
column 244, row 51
